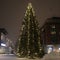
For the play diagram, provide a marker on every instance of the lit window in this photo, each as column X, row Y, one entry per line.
column 42, row 29
column 53, row 26
column 53, row 32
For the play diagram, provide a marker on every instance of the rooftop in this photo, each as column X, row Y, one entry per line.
column 3, row 30
column 53, row 20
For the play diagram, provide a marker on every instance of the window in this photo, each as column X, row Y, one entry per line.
column 53, row 32
column 53, row 26
column 42, row 29
column 53, row 29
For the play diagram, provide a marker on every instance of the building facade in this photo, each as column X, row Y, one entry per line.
column 50, row 35
column 3, row 34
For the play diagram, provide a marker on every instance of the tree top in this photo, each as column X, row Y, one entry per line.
column 29, row 7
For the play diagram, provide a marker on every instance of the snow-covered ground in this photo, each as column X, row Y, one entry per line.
column 52, row 56
column 13, row 57
column 27, row 59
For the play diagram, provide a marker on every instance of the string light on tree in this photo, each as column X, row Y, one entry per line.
column 29, row 43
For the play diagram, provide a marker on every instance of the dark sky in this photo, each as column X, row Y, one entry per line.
column 12, row 13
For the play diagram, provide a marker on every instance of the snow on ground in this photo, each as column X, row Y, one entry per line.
column 27, row 59
column 13, row 57
column 52, row 56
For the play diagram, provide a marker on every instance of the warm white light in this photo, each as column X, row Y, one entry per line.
column 59, row 49
column 2, row 44
column 29, row 6
column 49, row 49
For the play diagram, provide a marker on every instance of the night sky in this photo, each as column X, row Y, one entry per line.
column 12, row 13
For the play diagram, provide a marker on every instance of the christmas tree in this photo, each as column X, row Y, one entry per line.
column 29, row 39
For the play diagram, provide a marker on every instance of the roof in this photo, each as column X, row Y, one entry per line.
column 53, row 20
column 3, row 30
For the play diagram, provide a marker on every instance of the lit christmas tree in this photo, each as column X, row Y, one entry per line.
column 29, row 39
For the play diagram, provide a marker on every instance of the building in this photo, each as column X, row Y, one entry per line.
column 3, row 34
column 5, row 43
column 50, row 35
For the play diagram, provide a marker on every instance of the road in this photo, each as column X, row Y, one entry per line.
column 13, row 57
